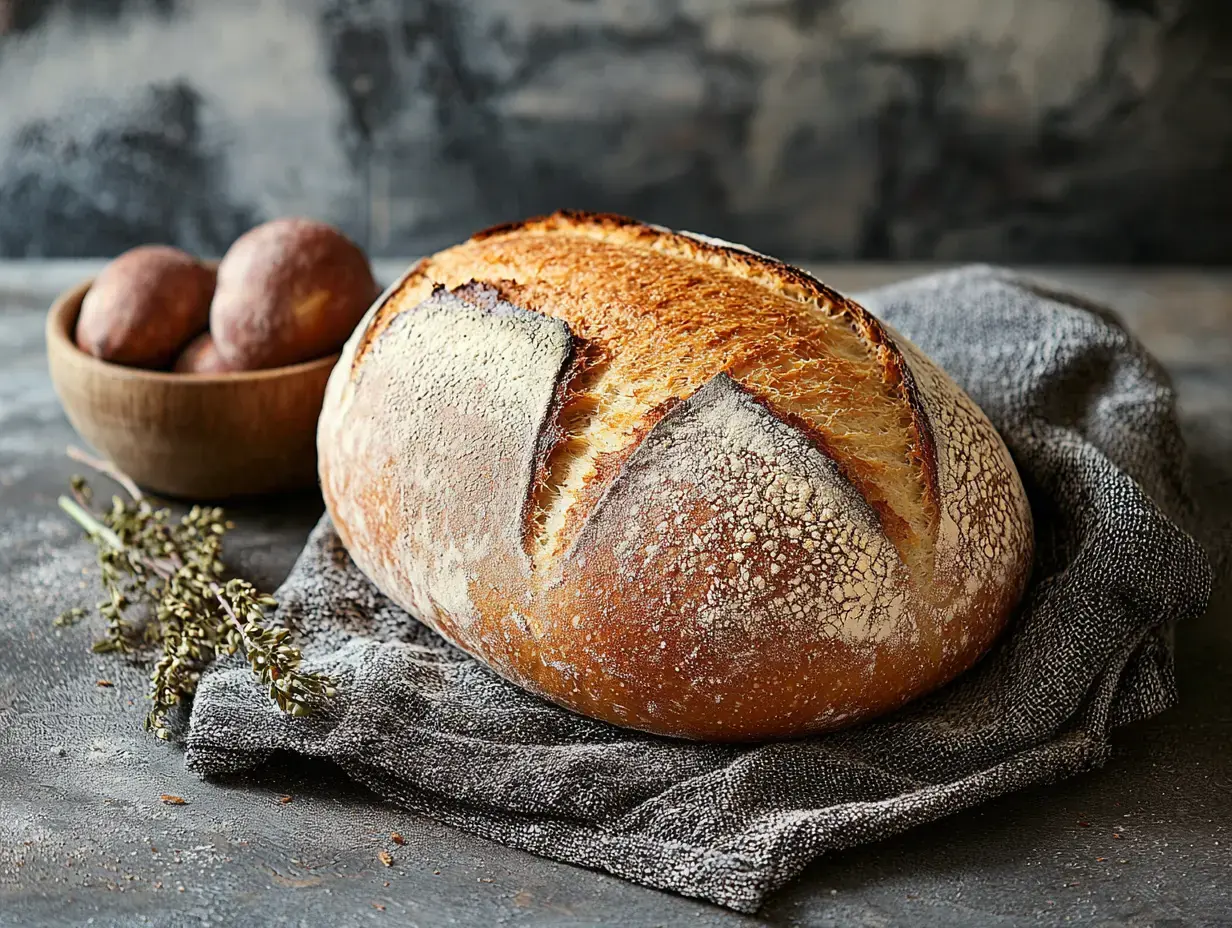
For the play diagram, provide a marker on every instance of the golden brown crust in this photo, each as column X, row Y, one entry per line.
column 685, row 265
column 670, row 483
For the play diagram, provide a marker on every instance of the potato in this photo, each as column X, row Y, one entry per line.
column 202, row 357
column 288, row 291
column 144, row 307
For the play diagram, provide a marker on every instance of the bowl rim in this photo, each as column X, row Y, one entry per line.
column 63, row 314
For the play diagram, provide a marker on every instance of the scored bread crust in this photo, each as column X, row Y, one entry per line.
column 669, row 482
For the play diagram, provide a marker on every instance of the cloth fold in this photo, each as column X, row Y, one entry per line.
column 1090, row 419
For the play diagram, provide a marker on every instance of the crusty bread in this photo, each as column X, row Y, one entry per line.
column 669, row 482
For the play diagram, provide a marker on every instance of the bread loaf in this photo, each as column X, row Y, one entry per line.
column 670, row 483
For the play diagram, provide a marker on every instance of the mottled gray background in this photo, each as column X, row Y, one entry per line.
column 1035, row 130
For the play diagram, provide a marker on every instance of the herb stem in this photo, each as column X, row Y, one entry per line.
column 92, row 526
column 175, row 568
column 106, row 468
column 89, row 523
column 230, row 613
column 83, row 518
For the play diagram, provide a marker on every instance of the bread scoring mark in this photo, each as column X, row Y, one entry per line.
column 918, row 540
column 559, row 449
column 602, row 468
column 912, row 486
column 576, row 453
column 443, row 427
column 897, row 529
column 983, row 531
column 778, row 277
column 646, row 311
column 762, row 540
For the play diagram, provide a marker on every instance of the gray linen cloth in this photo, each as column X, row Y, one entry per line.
column 1090, row 420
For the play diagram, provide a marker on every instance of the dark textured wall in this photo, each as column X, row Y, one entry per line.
column 1016, row 130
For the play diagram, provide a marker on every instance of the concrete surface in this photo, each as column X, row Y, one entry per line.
column 85, row 839
column 1005, row 130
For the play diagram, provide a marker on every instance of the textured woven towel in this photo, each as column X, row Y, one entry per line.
column 1091, row 422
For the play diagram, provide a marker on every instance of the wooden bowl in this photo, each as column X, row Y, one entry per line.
column 200, row 436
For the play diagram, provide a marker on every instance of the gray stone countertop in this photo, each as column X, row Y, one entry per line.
column 84, row 838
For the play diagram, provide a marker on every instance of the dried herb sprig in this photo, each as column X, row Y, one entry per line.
column 197, row 616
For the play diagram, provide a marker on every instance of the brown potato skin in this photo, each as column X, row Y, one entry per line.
column 202, row 357
column 290, row 290
column 145, row 306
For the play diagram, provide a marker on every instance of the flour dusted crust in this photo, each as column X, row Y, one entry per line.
column 669, row 482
